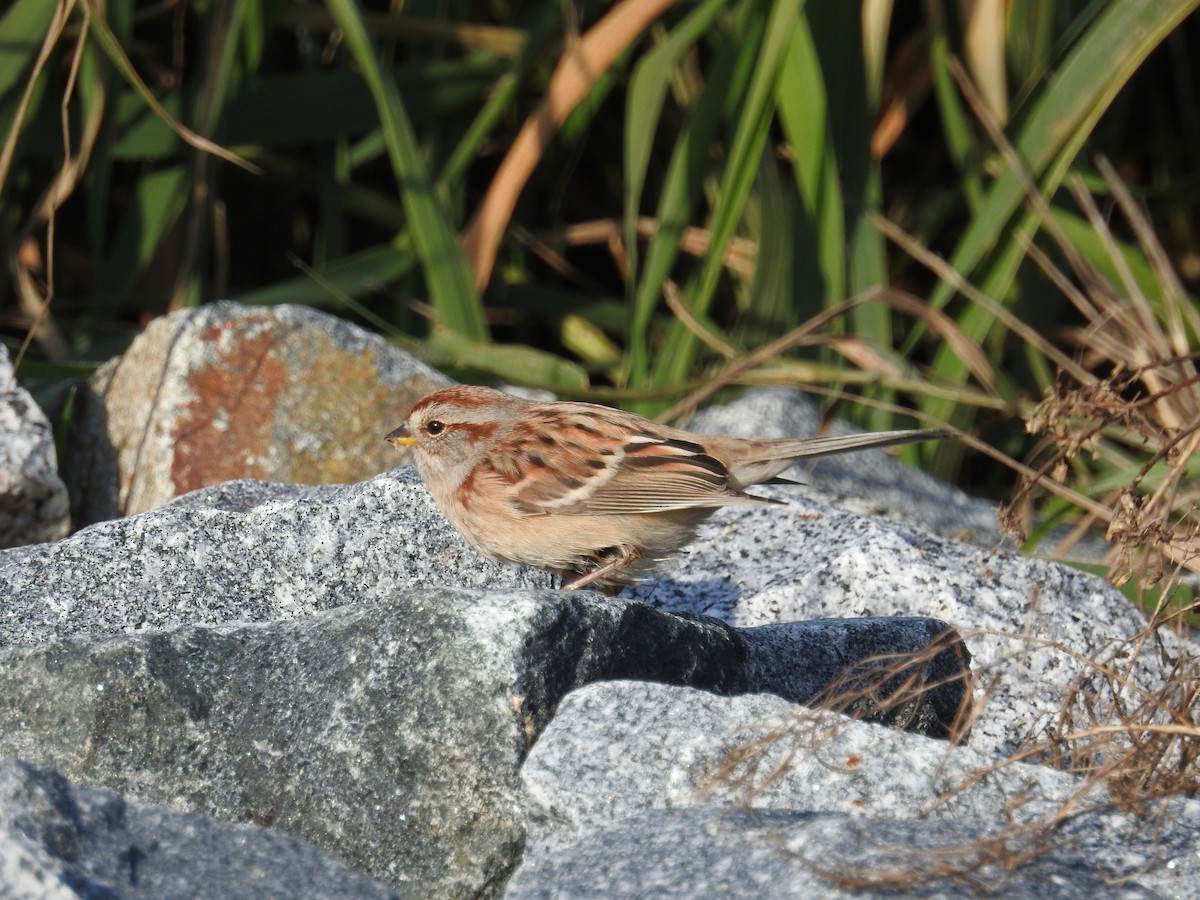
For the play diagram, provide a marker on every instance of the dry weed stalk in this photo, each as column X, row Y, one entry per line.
column 929, row 689
column 983, row 865
column 1130, row 397
column 1138, row 409
column 1142, row 746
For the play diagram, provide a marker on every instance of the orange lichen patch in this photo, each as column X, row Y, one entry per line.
column 288, row 405
column 330, row 427
column 224, row 430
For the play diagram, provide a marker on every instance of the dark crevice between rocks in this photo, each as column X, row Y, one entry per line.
column 911, row 673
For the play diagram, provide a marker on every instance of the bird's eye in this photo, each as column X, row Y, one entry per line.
column 435, row 427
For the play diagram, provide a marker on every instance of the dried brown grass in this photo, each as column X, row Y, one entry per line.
column 1119, row 435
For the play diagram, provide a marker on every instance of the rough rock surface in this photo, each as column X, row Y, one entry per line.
column 336, row 662
column 729, row 852
column 59, row 840
column 33, row 499
column 242, row 552
column 222, row 392
column 626, row 770
column 330, row 696
column 1029, row 623
column 682, row 747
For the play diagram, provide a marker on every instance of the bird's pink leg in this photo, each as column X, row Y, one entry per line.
column 611, row 566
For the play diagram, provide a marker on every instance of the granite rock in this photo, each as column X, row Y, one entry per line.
column 242, row 551
column 1030, row 624
column 715, row 851
column 61, row 840
column 732, row 782
column 681, row 747
column 290, row 657
column 33, row 499
column 389, row 733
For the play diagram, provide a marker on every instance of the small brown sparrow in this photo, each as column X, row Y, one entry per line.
column 592, row 493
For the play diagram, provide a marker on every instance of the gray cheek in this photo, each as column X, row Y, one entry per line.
column 445, row 453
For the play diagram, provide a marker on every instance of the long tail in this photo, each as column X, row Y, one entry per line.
column 807, row 448
column 772, row 457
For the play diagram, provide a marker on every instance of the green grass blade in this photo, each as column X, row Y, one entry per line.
column 647, row 94
column 448, row 276
column 803, row 114
column 352, row 276
column 686, row 170
column 741, row 168
column 1058, row 123
column 159, row 200
column 957, row 126
column 838, row 37
column 22, row 29
column 514, row 363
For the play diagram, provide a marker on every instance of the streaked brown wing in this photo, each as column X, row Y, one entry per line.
column 641, row 473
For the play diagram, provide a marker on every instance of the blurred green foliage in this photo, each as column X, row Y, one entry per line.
column 719, row 186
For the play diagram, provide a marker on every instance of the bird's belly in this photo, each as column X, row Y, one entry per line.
column 575, row 542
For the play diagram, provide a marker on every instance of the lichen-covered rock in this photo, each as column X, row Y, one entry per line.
column 33, row 499
column 223, row 392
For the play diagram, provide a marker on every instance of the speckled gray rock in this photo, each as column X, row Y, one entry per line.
column 1029, row 623
column 59, row 840
column 254, row 552
column 222, row 392
column 752, row 853
column 388, row 733
column 33, row 499
column 681, row 747
column 242, row 552
column 382, row 722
